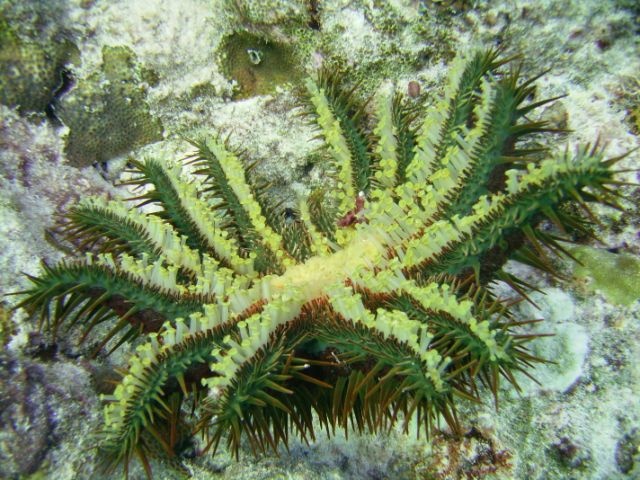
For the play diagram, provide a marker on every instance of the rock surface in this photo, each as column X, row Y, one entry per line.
column 170, row 81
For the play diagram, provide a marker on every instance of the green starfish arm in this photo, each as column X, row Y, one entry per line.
column 112, row 227
column 140, row 400
column 249, row 218
column 340, row 117
column 109, row 227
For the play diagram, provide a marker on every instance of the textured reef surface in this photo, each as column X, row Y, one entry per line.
column 336, row 267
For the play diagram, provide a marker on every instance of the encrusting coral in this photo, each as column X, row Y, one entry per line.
column 371, row 307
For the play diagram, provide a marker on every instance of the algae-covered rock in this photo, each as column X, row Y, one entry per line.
column 616, row 275
column 272, row 12
column 628, row 96
column 39, row 404
column 6, row 327
column 107, row 113
column 257, row 64
column 31, row 72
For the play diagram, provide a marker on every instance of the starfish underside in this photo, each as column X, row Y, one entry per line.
column 370, row 307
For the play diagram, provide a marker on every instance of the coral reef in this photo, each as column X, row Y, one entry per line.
column 371, row 306
column 258, row 65
column 33, row 70
column 107, row 113
column 587, row 404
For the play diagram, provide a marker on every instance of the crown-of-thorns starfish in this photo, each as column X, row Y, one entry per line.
column 370, row 306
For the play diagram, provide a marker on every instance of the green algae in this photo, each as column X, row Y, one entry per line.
column 7, row 329
column 616, row 275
